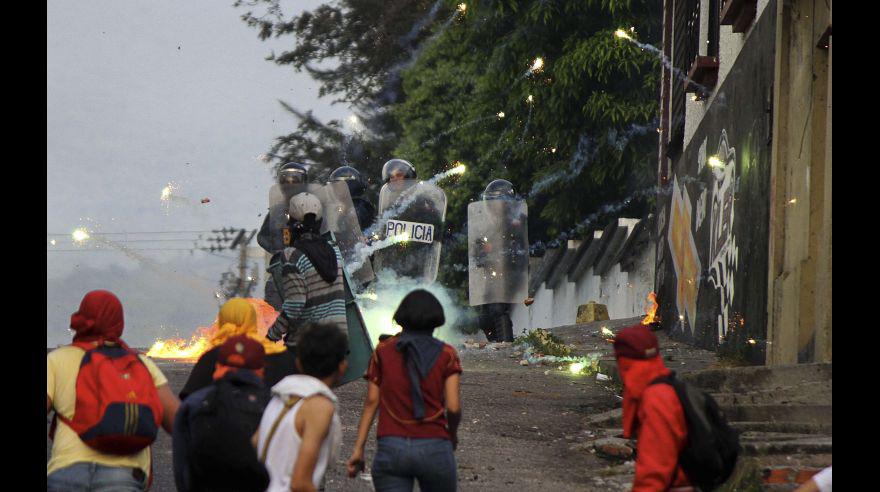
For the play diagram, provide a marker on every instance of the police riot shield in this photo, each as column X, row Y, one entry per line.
column 411, row 215
column 279, row 204
column 340, row 218
column 360, row 348
column 498, row 252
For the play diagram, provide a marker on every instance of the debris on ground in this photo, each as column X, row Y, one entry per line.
column 614, row 447
column 541, row 341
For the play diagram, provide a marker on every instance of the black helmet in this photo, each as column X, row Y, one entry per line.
column 352, row 177
column 500, row 189
column 293, row 173
column 398, row 167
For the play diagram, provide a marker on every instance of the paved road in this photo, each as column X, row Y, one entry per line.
column 521, row 428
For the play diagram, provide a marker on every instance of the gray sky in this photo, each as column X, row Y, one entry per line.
column 127, row 113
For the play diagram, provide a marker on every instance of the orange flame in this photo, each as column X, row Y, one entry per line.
column 200, row 342
column 651, row 309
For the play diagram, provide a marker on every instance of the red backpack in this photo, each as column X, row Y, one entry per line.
column 118, row 410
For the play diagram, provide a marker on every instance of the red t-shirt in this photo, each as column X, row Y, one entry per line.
column 388, row 370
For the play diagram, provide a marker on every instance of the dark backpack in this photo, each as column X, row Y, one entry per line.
column 221, row 456
column 710, row 455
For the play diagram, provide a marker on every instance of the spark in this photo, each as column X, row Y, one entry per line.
column 460, row 169
column 553, row 150
column 607, row 333
column 530, row 99
column 537, row 65
column 494, row 274
column 500, row 115
column 80, row 235
column 577, row 367
column 753, row 341
column 620, row 33
column 462, row 7
column 715, row 162
column 52, row 242
column 166, row 193
column 793, row 201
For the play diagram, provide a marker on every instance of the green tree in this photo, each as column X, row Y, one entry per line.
column 430, row 83
column 586, row 138
column 365, row 43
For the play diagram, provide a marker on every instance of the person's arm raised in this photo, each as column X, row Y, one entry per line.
column 371, row 404
column 316, row 415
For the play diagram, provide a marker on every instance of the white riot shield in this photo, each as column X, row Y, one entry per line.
column 412, row 212
column 498, row 252
column 340, row 217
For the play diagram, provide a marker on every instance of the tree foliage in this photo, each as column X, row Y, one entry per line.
column 430, row 83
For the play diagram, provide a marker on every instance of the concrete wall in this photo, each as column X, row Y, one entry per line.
column 714, row 224
column 624, row 287
column 730, row 45
column 746, row 265
column 799, row 325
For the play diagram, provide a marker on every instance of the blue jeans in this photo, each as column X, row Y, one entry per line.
column 86, row 477
column 401, row 460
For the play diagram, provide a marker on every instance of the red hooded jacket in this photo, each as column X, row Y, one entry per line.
column 653, row 415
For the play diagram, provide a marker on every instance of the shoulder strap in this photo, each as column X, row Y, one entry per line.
column 287, row 406
column 667, row 379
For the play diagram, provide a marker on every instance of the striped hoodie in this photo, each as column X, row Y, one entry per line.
column 307, row 297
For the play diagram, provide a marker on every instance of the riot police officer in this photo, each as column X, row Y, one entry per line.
column 366, row 212
column 498, row 257
column 274, row 236
column 417, row 209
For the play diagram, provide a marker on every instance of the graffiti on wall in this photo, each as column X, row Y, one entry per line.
column 723, row 250
column 685, row 260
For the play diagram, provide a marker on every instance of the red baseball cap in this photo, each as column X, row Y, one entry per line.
column 243, row 352
column 636, row 342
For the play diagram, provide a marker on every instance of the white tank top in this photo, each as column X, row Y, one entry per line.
column 284, row 447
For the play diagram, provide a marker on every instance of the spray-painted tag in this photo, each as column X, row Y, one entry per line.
column 413, row 231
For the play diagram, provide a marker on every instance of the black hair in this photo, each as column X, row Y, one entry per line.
column 419, row 311
column 320, row 347
column 309, row 224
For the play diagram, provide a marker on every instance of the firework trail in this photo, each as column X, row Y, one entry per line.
column 388, row 94
column 81, row 235
column 456, row 128
column 612, row 209
column 678, row 73
column 528, row 119
column 586, row 152
column 409, row 198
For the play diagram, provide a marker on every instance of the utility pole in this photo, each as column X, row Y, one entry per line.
column 232, row 284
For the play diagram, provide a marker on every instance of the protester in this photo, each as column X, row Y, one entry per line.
column 300, row 432
column 309, row 274
column 238, row 317
column 414, row 381
column 213, row 430
column 116, row 454
column 652, row 413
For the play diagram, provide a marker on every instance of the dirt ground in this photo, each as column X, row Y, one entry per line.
column 524, row 428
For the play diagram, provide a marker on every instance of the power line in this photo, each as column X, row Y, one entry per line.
column 186, row 239
column 53, row 250
column 132, row 233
